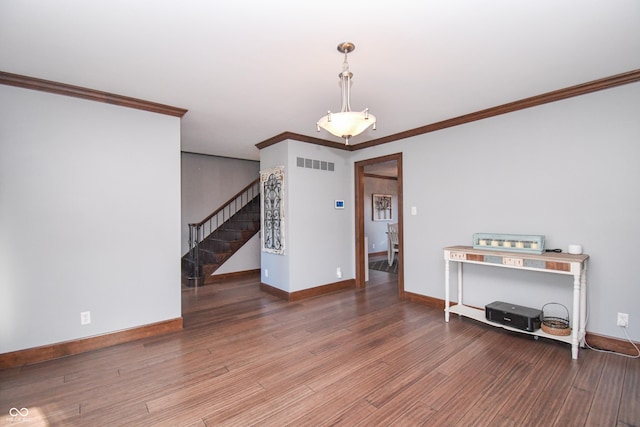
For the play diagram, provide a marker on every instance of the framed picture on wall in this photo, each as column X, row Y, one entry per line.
column 381, row 207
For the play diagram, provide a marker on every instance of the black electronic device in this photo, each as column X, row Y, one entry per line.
column 516, row 316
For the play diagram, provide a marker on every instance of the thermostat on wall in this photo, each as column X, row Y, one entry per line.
column 339, row 204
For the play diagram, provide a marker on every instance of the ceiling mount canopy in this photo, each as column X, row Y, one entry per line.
column 346, row 123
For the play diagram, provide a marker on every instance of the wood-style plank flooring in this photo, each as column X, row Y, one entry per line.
column 352, row 358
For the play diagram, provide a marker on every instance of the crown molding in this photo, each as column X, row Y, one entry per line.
column 124, row 101
column 302, row 138
column 90, row 94
column 534, row 101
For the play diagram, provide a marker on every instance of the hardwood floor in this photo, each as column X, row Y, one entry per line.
column 349, row 358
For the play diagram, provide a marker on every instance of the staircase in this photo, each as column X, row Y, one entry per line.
column 215, row 239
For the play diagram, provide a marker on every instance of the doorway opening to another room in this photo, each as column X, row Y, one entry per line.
column 378, row 203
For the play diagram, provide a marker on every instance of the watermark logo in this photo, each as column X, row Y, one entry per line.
column 18, row 414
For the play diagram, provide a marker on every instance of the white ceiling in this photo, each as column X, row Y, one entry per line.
column 249, row 70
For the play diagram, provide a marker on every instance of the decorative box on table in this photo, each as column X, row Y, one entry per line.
column 525, row 243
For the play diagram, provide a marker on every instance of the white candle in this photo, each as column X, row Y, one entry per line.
column 534, row 245
column 506, row 244
column 519, row 245
column 495, row 243
column 483, row 243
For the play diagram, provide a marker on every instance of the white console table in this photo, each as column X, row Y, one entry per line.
column 550, row 262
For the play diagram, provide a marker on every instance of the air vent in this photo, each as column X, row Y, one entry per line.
column 315, row 164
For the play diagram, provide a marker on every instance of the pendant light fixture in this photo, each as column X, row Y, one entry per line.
column 346, row 123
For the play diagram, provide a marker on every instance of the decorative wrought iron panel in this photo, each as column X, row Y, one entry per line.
column 272, row 186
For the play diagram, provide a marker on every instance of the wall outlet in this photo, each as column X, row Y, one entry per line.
column 339, row 273
column 623, row 320
column 266, row 272
column 85, row 317
column 374, row 245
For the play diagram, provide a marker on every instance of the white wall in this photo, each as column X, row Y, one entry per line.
column 319, row 239
column 89, row 218
column 567, row 170
column 275, row 267
column 245, row 259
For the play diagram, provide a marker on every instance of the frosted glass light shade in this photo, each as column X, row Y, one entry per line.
column 347, row 123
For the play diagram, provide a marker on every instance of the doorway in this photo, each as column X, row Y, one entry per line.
column 361, row 169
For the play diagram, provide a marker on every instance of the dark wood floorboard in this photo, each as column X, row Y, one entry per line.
column 351, row 358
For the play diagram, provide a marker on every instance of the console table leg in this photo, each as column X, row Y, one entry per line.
column 583, row 306
column 577, row 326
column 460, row 300
column 446, row 289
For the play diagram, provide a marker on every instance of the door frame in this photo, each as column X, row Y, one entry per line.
column 359, row 219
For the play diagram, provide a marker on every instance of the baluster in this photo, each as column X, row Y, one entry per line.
column 194, row 252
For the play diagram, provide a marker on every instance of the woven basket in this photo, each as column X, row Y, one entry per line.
column 556, row 325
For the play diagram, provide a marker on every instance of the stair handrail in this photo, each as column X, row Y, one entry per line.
column 240, row 193
column 199, row 230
